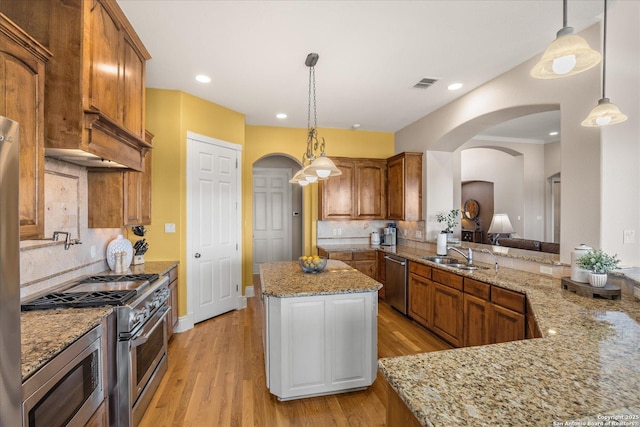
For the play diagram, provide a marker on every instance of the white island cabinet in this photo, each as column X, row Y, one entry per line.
column 321, row 329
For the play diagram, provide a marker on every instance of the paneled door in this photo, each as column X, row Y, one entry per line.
column 271, row 216
column 214, row 259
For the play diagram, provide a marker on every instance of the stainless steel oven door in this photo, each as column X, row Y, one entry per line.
column 147, row 349
column 68, row 389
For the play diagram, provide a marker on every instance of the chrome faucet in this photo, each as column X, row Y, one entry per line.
column 67, row 241
column 493, row 255
column 468, row 257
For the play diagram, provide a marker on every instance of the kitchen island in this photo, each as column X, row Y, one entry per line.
column 320, row 330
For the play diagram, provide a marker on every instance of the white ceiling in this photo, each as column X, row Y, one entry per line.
column 371, row 54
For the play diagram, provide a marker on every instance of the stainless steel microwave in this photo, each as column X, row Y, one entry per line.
column 68, row 389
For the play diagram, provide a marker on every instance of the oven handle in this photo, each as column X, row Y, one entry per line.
column 144, row 335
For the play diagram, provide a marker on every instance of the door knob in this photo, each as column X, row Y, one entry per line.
column 197, row 255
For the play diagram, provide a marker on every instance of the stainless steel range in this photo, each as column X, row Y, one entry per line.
column 138, row 342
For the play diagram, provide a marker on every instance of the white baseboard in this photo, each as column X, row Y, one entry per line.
column 184, row 324
column 249, row 291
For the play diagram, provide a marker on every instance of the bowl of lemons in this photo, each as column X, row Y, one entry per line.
column 312, row 263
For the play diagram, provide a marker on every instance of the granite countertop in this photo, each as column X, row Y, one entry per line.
column 585, row 366
column 45, row 333
column 286, row 279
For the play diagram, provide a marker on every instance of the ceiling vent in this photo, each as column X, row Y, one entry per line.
column 425, row 83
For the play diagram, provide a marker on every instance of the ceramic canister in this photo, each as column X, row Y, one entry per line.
column 579, row 274
column 375, row 238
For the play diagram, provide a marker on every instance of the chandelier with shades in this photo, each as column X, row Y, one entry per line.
column 315, row 163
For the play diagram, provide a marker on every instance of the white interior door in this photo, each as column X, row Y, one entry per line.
column 271, row 216
column 213, row 211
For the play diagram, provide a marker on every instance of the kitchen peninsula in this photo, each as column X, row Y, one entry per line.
column 321, row 329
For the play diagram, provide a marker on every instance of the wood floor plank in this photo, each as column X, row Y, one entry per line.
column 216, row 377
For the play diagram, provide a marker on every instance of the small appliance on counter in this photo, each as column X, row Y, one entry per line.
column 390, row 233
column 375, row 238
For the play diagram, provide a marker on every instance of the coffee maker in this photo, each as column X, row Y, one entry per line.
column 389, row 236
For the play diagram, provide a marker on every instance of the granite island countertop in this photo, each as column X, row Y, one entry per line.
column 585, row 366
column 45, row 333
column 286, row 279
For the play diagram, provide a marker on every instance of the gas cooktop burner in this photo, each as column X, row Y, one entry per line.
column 79, row 300
column 121, row 278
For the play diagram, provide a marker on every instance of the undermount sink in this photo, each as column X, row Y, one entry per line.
column 452, row 262
column 441, row 259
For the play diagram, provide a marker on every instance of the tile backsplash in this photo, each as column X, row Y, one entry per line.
column 45, row 264
column 359, row 232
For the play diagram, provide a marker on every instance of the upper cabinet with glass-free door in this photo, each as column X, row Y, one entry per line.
column 359, row 193
column 22, row 75
column 404, row 187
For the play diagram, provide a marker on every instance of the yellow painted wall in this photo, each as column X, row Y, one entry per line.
column 170, row 114
column 265, row 140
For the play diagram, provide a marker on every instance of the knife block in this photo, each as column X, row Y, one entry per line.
column 138, row 259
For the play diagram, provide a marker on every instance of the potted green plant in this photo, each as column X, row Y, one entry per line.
column 599, row 265
column 451, row 220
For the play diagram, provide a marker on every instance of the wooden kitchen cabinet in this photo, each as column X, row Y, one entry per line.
column 381, row 272
column 507, row 315
column 173, row 301
column 404, row 187
column 95, row 90
column 363, row 261
column 420, row 294
column 22, row 92
column 359, row 193
column 119, row 198
column 476, row 321
column 447, row 318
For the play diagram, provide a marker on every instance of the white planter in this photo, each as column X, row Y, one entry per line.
column 598, row 280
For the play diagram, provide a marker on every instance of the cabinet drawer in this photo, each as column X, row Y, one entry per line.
column 446, row 278
column 420, row 269
column 173, row 274
column 477, row 289
column 364, row 255
column 509, row 299
column 342, row 256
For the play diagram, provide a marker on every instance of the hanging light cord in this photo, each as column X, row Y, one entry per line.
column 564, row 13
column 604, row 49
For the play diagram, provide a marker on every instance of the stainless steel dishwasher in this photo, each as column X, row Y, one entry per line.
column 396, row 282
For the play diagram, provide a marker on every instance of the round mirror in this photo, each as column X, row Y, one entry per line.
column 471, row 209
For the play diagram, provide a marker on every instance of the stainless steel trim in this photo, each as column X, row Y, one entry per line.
column 143, row 335
column 10, row 372
column 145, row 397
column 395, row 260
column 396, row 283
column 38, row 385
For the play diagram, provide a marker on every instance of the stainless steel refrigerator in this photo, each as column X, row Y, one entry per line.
column 10, row 367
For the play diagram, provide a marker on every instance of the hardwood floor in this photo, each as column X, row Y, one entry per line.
column 216, row 377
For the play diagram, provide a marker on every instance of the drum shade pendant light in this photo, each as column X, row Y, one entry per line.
column 568, row 55
column 605, row 113
column 319, row 166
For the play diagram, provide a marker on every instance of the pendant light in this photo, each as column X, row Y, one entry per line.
column 319, row 167
column 605, row 113
column 568, row 55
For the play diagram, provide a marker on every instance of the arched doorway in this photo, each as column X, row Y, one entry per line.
column 277, row 211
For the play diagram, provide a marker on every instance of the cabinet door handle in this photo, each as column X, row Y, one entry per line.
column 197, row 255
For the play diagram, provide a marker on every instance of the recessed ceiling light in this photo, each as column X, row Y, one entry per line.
column 554, row 133
column 203, row 79
column 281, row 115
column 454, row 86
